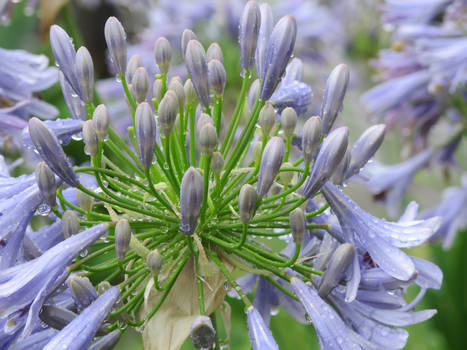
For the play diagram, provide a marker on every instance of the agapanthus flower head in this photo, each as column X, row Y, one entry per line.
column 186, row 208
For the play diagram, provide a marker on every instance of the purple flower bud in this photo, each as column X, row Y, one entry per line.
column 297, row 222
column 154, row 261
column 265, row 29
column 190, row 93
column 115, row 38
column 247, row 203
column 202, row 333
column 293, row 72
column 145, row 127
column 250, row 22
column 49, row 148
column 73, row 101
column 139, row 85
column 157, row 90
column 191, row 197
column 82, row 290
column 65, row 56
column 329, row 156
column 253, row 94
column 280, row 48
column 311, row 138
column 168, row 110
column 208, row 139
column 338, row 176
column 336, row 85
column 122, row 238
column 85, row 73
column 45, row 179
column 133, row 64
column 101, row 121
column 195, row 60
column 203, row 120
column 260, row 336
column 70, row 223
column 217, row 163
column 341, row 259
column 187, row 36
column 267, row 118
column 90, row 138
column 271, row 161
column 55, row 316
column 365, row 148
column 163, row 54
column 297, row 95
column 214, row 52
column 289, row 120
column 177, row 86
column 217, row 76
column 86, row 324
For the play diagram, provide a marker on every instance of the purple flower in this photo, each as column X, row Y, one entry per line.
column 29, row 283
column 380, row 238
column 297, row 95
column 331, row 330
column 79, row 333
column 64, row 129
column 260, row 335
column 391, row 182
column 412, row 11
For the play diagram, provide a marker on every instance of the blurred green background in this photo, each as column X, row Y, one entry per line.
column 445, row 331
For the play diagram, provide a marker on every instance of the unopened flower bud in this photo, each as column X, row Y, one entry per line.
column 82, row 290
column 101, row 121
column 139, row 85
column 49, row 148
column 163, row 54
column 177, row 87
column 168, row 109
column 90, row 138
column 154, row 261
column 195, row 60
column 338, row 176
column 190, row 93
column 340, row 260
column 365, row 148
column 202, row 121
column 157, row 90
column 133, row 64
column 55, row 316
column 122, row 238
column 187, row 36
column 250, row 21
column 280, row 48
column 202, row 333
column 329, row 156
column 84, row 200
column 247, row 203
column 208, row 139
column 265, row 29
column 217, row 76
column 214, row 52
column 253, row 94
column 257, row 148
column 115, row 38
column 145, row 128
column 311, row 138
column 70, row 223
column 217, row 163
column 297, row 225
column 267, row 118
column 271, row 162
column 289, row 121
column 336, row 85
column 103, row 286
column 191, row 197
column 45, row 179
column 85, row 73
column 287, row 176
